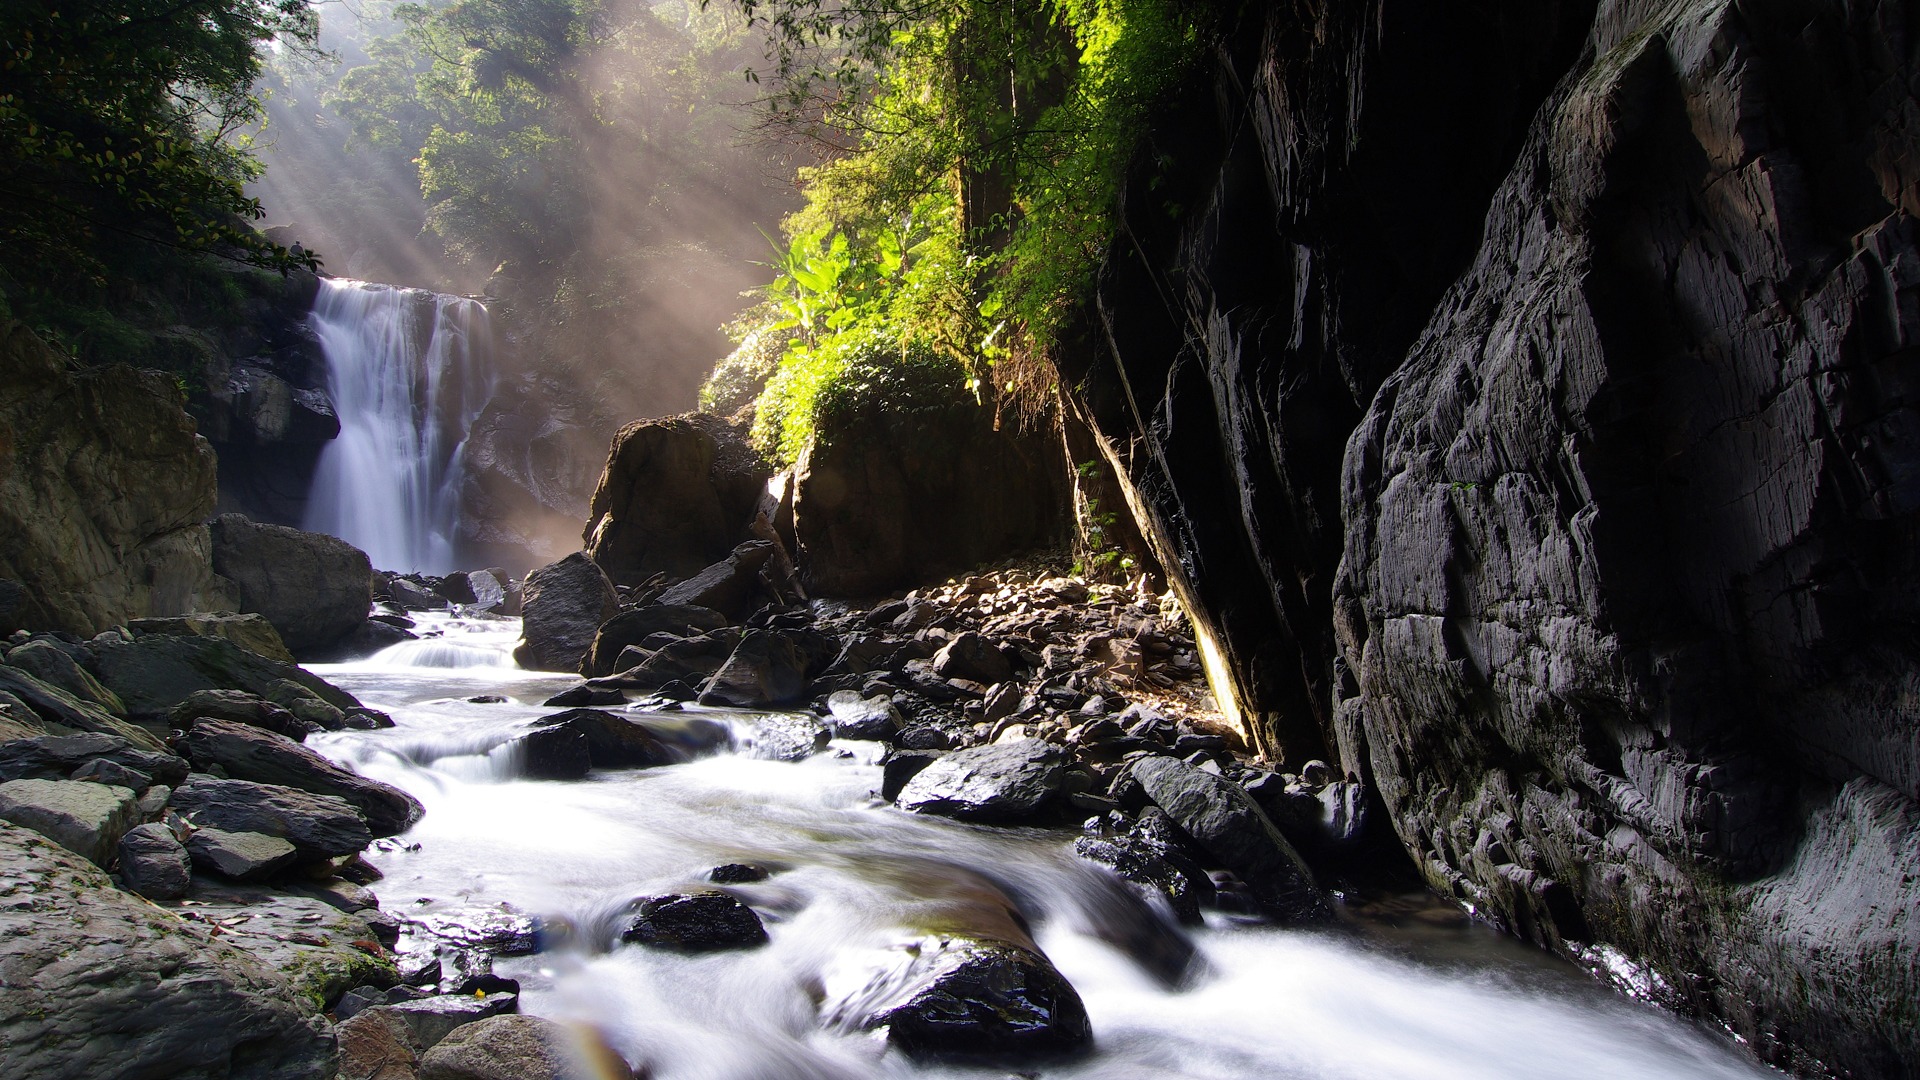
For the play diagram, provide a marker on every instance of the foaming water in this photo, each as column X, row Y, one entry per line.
column 855, row 879
column 408, row 371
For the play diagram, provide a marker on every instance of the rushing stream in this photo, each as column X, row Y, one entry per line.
column 1407, row 990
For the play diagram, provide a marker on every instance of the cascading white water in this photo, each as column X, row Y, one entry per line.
column 409, row 370
column 1419, row 994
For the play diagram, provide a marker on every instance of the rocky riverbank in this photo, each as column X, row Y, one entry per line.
column 163, row 816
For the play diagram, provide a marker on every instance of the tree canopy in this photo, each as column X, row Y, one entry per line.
column 117, row 125
column 978, row 153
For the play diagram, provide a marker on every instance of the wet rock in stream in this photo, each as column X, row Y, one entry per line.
column 997, row 784
column 705, row 921
column 958, row 998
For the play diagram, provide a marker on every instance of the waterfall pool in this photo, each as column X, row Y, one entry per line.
column 1405, row 989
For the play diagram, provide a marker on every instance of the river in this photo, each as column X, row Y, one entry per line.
column 1404, row 988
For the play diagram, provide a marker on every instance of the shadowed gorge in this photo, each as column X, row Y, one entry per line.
column 768, row 538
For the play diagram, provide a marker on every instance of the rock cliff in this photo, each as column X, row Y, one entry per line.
column 1520, row 395
column 104, row 492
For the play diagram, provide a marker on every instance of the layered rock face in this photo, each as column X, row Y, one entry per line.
column 1606, row 596
column 104, row 491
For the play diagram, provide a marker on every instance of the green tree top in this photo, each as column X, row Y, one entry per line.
column 118, row 121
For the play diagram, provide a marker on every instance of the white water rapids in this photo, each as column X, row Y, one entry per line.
column 408, row 371
column 1410, row 991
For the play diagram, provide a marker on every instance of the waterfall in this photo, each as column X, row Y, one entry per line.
column 408, row 370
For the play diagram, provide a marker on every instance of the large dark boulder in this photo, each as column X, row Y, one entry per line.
column 689, row 660
column 612, row 741
column 98, row 982
column 562, row 606
column 766, row 670
column 1229, row 826
column 963, row 998
column 893, row 493
column 999, row 783
column 314, row 588
column 245, row 752
column 704, row 921
column 1574, row 514
column 727, row 586
column 676, row 495
column 319, row 826
column 636, row 625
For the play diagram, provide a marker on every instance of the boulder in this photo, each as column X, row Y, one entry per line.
column 432, row 1019
column 104, row 492
column 563, row 605
column 891, row 496
column 377, row 1044
column 521, row 1048
column 240, row 856
column 765, row 671
column 239, row 707
column 636, row 625
column 156, row 672
column 362, row 641
column 857, row 717
column 250, row 631
column 583, row 696
column 320, row 826
column 61, row 710
column 946, row 998
column 313, row 588
column 727, row 586
column 555, row 753
column 1153, row 855
column 153, row 863
column 1231, row 828
column 999, row 783
column 676, row 494
column 613, row 741
column 56, row 757
column 786, row 737
column 971, row 656
column 689, row 660
column 704, row 921
column 901, row 766
column 244, row 752
column 489, row 591
column 52, row 665
column 98, row 982
column 414, row 596
column 86, row 819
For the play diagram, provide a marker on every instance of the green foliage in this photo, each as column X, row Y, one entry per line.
column 845, row 378
column 739, row 378
column 982, row 147
column 117, row 123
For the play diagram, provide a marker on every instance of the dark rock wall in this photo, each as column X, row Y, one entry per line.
column 1612, row 309
column 1330, row 177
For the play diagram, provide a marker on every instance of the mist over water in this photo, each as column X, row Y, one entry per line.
column 408, row 371
column 1433, row 997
